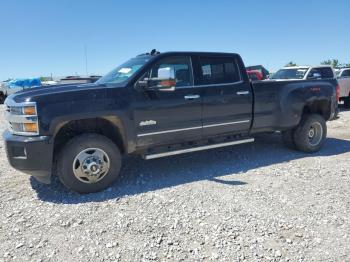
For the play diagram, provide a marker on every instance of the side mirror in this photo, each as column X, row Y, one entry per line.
column 164, row 82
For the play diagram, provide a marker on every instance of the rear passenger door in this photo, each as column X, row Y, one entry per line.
column 227, row 97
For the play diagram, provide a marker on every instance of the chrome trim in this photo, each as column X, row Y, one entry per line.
column 192, row 128
column 228, row 123
column 212, row 85
column 192, row 97
column 240, row 93
column 169, row 131
column 189, row 150
column 20, row 119
column 10, row 102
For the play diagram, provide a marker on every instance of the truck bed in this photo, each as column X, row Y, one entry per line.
column 278, row 105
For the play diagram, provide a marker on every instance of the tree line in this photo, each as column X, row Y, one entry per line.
column 333, row 62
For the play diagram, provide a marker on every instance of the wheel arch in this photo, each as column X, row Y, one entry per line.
column 321, row 107
column 111, row 127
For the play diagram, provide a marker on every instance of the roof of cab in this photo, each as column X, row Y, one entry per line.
column 189, row 53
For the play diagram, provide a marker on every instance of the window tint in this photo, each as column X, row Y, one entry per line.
column 346, row 73
column 217, row 70
column 181, row 66
column 325, row 72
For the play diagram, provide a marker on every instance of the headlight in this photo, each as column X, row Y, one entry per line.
column 23, row 110
column 22, row 118
column 29, row 110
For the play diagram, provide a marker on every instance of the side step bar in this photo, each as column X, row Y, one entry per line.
column 200, row 148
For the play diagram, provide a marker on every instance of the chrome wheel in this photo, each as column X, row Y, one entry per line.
column 315, row 134
column 91, row 165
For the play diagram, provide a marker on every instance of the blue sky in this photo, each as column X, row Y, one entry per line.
column 38, row 38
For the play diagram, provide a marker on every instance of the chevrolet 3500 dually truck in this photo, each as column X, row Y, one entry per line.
column 157, row 105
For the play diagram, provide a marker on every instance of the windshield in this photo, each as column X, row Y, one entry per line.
column 123, row 72
column 338, row 72
column 290, row 73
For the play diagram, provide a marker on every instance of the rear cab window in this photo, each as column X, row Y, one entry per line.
column 324, row 72
column 219, row 70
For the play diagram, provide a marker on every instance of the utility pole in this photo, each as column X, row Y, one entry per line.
column 86, row 60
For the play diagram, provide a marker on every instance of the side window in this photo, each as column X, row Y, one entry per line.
column 346, row 73
column 219, row 70
column 181, row 66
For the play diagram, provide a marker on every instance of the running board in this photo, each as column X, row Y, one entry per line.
column 195, row 149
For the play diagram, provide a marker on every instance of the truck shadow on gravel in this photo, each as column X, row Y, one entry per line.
column 218, row 166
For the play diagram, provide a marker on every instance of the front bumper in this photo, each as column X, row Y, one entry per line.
column 31, row 155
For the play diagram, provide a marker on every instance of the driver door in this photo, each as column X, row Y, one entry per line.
column 171, row 115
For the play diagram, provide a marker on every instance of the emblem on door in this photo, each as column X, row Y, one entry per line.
column 148, row 123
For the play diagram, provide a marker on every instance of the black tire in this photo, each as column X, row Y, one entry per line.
column 288, row 139
column 2, row 98
column 71, row 151
column 347, row 102
column 303, row 139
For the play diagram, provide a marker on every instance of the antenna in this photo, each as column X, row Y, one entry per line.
column 86, row 60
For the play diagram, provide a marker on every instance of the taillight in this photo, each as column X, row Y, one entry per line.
column 337, row 90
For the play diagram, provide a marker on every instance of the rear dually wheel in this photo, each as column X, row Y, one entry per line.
column 311, row 133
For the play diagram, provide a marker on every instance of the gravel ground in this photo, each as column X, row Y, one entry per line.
column 254, row 202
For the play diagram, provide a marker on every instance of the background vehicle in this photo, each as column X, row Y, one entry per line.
column 2, row 92
column 157, row 105
column 261, row 69
column 254, row 75
column 343, row 75
column 79, row 80
column 305, row 72
column 16, row 85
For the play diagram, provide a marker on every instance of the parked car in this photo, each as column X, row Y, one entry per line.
column 304, row 73
column 254, row 75
column 2, row 92
column 261, row 69
column 343, row 75
column 16, row 85
column 78, row 80
column 157, row 105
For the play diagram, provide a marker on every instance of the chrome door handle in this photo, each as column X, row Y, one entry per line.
column 243, row 93
column 189, row 97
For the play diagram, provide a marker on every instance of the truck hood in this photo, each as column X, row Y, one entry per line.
column 31, row 93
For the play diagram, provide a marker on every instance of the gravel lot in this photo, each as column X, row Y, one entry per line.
column 256, row 202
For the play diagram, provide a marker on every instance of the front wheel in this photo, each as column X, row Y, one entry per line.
column 311, row 133
column 89, row 163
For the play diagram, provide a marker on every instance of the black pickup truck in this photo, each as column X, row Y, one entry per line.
column 157, row 105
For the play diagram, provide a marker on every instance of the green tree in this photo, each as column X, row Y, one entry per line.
column 291, row 63
column 332, row 62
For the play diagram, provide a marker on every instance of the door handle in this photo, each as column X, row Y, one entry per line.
column 243, row 93
column 190, row 97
